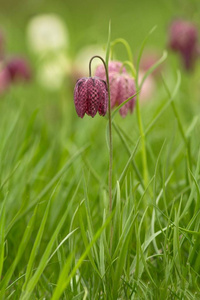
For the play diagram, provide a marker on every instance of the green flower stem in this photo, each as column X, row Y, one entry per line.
column 128, row 63
column 139, row 118
column 126, row 44
column 128, row 50
column 143, row 139
column 110, row 129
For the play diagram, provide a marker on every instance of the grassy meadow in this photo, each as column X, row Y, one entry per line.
column 58, row 237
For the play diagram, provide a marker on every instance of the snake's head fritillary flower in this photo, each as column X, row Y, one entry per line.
column 122, row 87
column 183, row 38
column 90, row 96
column 113, row 66
column 18, row 69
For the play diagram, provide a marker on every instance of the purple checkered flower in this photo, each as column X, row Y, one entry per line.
column 18, row 69
column 90, row 96
column 183, row 38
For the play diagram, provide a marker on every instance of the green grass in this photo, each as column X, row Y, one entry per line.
column 58, row 239
column 54, row 200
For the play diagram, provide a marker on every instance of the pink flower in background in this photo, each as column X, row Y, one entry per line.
column 122, row 86
column 90, row 96
column 113, row 66
column 4, row 80
column 183, row 38
column 148, row 87
column 148, row 60
column 19, row 69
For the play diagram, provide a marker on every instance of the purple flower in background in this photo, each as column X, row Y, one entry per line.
column 90, row 96
column 113, row 66
column 183, row 38
column 4, row 80
column 19, row 69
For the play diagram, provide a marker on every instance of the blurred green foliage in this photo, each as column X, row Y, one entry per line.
column 88, row 20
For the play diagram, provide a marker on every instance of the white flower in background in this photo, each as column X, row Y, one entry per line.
column 80, row 67
column 52, row 73
column 47, row 33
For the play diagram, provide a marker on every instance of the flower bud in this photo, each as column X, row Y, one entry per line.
column 90, row 96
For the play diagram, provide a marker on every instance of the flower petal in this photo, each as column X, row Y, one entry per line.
column 80, row 97
column 103, row 97
column 92, row 97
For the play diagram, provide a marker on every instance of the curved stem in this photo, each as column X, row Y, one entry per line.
column 125, row 43
column 128, row 63
column 110, row 128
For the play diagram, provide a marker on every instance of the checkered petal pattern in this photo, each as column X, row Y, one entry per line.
column 91, row 96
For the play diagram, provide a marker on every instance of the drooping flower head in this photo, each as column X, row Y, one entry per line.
column 90, row 96
column 183, row 38
column 18, row 69
column 122, row 86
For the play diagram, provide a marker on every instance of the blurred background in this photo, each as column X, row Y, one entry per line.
column 86, row 23
column 57, row 38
